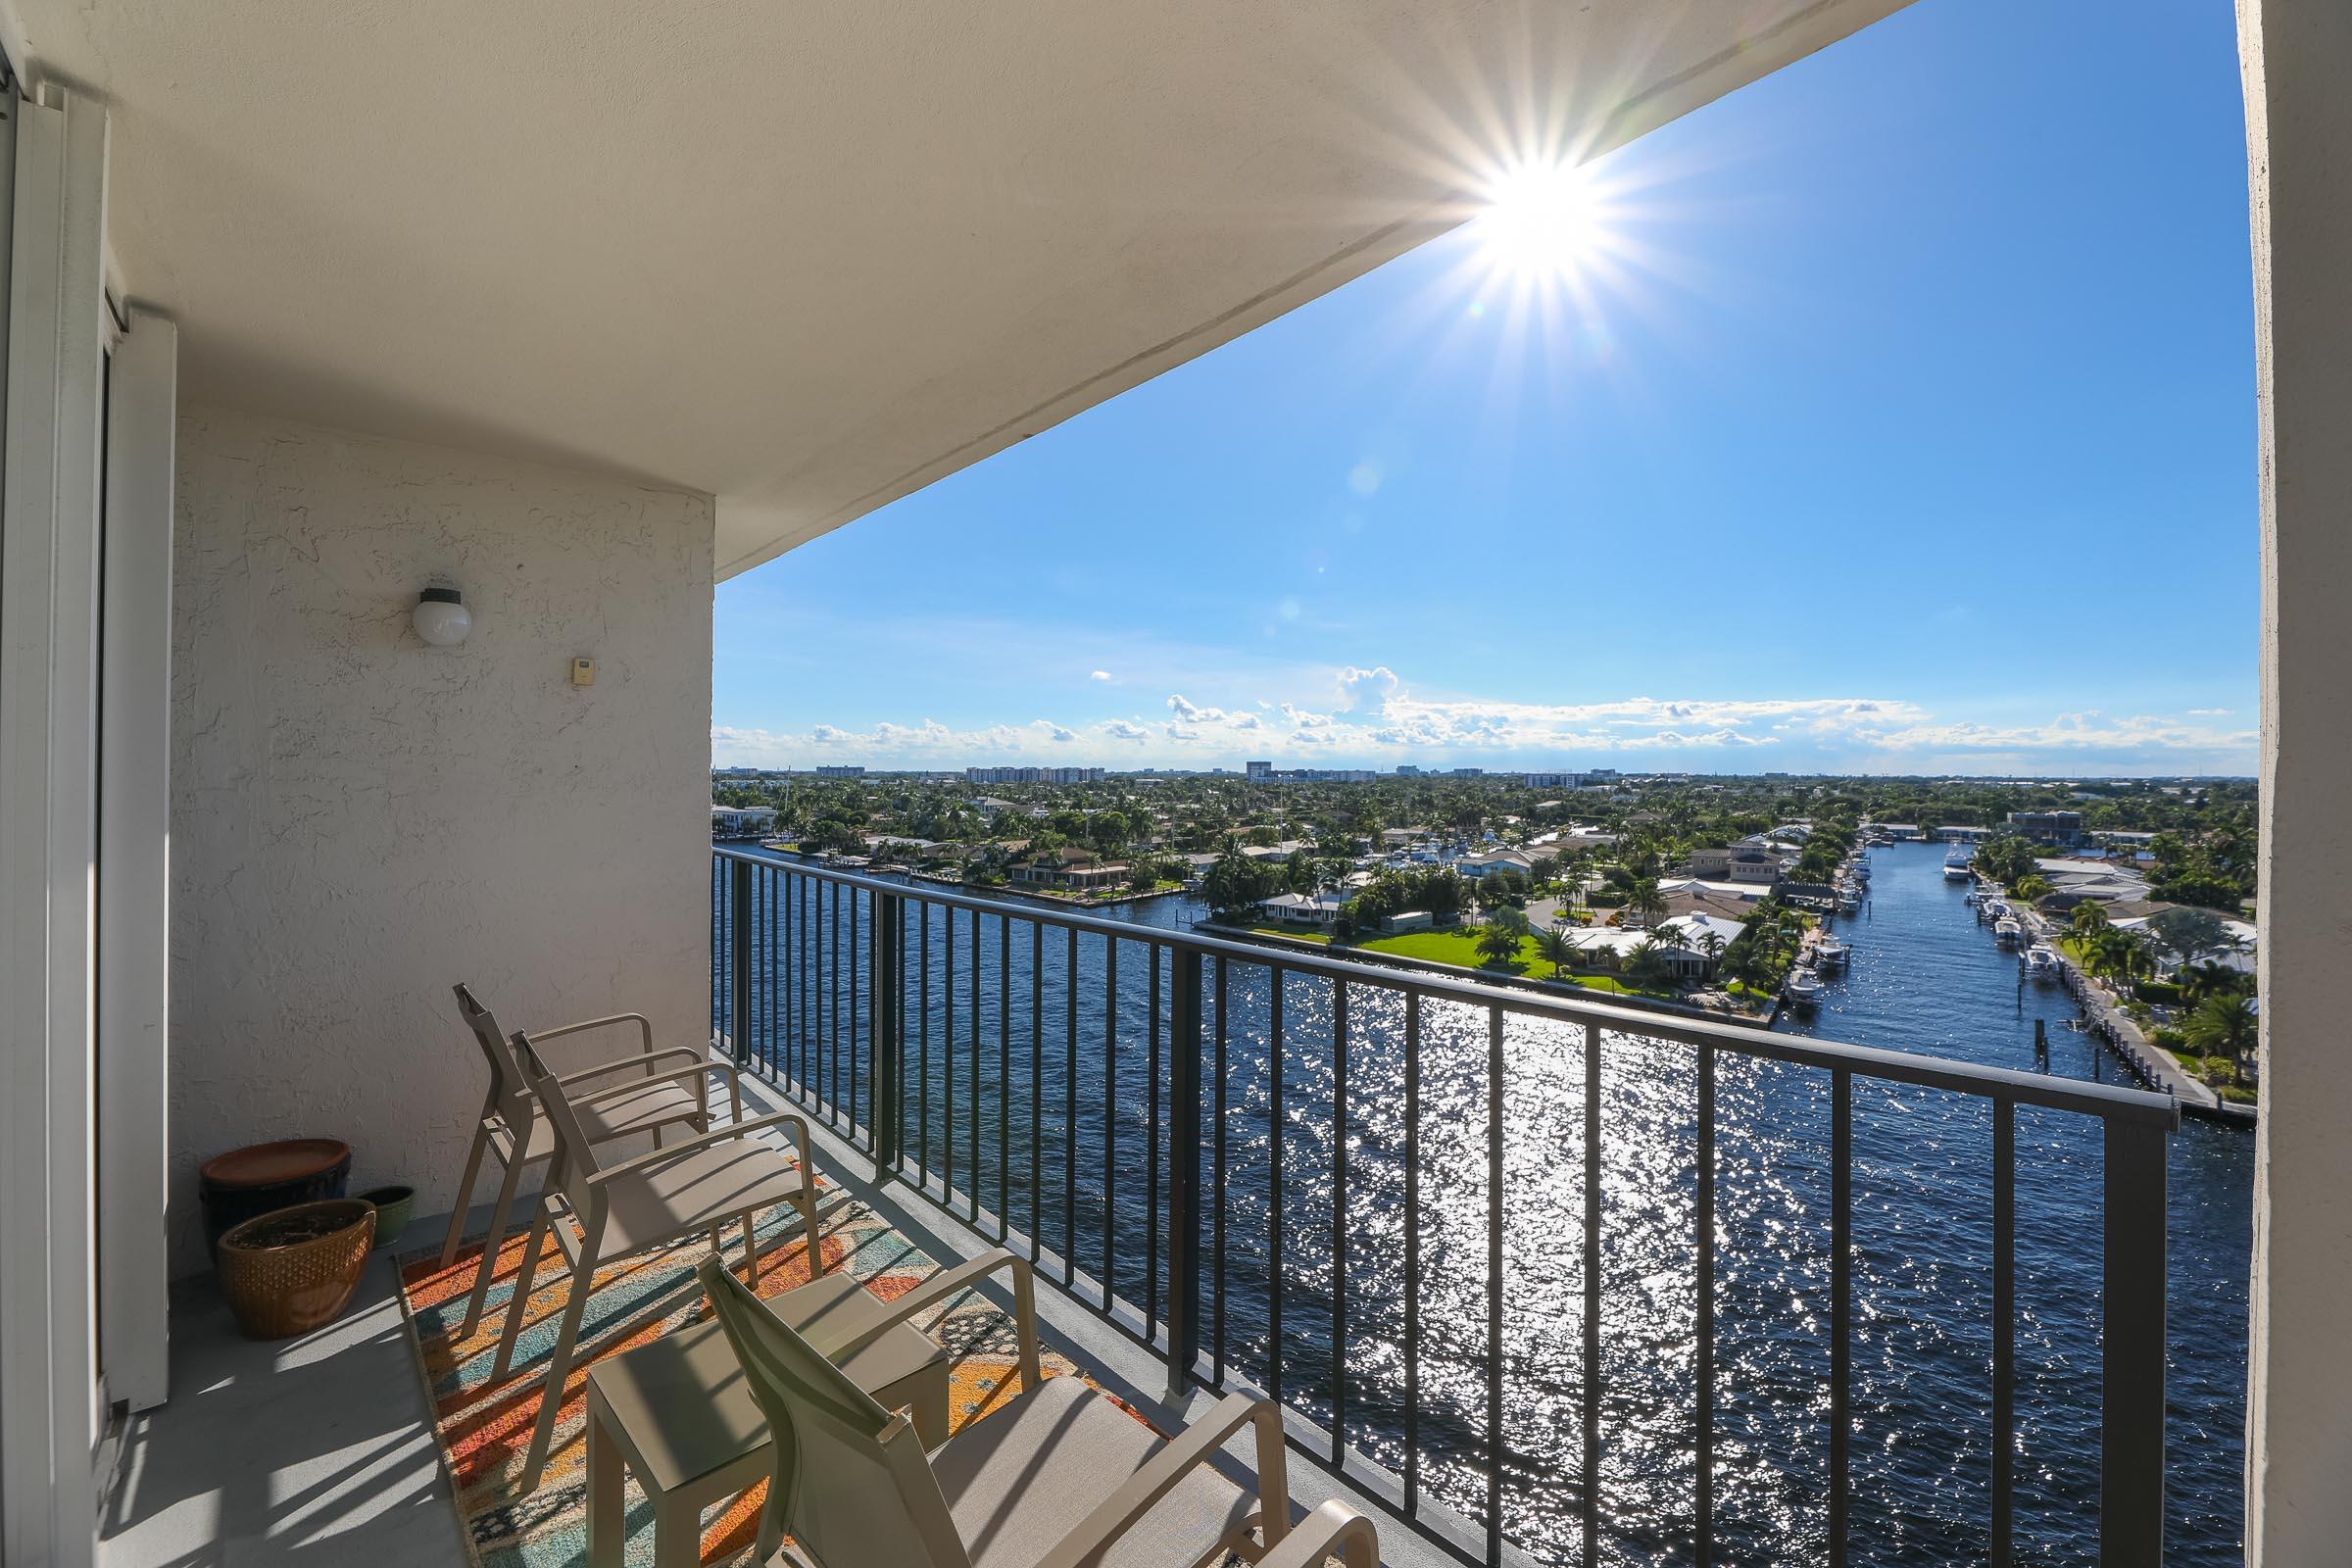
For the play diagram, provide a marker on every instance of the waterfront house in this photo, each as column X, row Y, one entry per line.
column 1311, row 909
column 1068, row 869
column 359, row 642
column 741, row 821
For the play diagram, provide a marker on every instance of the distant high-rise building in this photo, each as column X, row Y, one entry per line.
column 1408, row 770
column 1260, row 772
column 841, row 771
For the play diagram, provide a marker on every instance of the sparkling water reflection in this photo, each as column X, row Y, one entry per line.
column 1002, row 1025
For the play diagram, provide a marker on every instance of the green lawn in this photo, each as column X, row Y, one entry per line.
column 1292, row 932
column 1460, row 950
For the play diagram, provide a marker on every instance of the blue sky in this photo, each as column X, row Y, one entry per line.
column 1898, row 419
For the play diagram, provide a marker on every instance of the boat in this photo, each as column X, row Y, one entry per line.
column 1955, row 868
column 1830, row 954
column 2007, row 932
column 1975, row 897
column 2041, row 961
column 1849, row 899
column 1802, row 987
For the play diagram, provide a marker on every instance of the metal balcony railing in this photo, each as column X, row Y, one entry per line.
column 1148, row 1112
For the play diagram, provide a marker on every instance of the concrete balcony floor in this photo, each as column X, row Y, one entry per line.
column 320, row 1449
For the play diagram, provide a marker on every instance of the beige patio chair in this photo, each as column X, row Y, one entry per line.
column 511, row 1127
column 639, row 1205
column 1059, row 1477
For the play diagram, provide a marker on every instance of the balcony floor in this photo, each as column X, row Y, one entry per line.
column 320, row 1449
column 315, row 1450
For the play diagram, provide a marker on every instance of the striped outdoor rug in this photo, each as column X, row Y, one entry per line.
column 484, row 1423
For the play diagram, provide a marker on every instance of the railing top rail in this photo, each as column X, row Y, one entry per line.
column 2108, row 1102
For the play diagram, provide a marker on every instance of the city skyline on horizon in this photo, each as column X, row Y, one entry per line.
column 1863, row 438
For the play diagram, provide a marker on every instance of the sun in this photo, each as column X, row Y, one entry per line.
column 1542, row 221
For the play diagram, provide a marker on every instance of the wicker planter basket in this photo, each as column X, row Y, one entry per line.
column 289, row 1272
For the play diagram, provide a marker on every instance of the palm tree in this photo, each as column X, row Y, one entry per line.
column 2200, row 981
column 1499, row 940
column 1711, row 945
column 1647, row 901
column 2223, row 1026
column 1557, row 947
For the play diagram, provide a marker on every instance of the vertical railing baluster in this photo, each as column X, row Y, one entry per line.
column 1216, row 1184
column 2004, row 1327
column 946, row 1060
column 975, row 1180
column 1110, row 1106
column 739, row 974
column 1412, row 1253
column 1842, row 1303
column 1274, row 1130
column 1703, row 1222
column 791, row 1030
column 1037, row 1082
column 884, row 1000
column 1339, row 1221
column 1004, row 1074
column 1592, row 1401
column 1183, row 1169
column 1069, row 1112
column 1494, row 1263
column 855, row 975
column 1151, row 1141
column 922, row 1047
column 2131, row 1350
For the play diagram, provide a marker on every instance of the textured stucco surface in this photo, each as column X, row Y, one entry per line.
column 359, row 820
column 2292, row 55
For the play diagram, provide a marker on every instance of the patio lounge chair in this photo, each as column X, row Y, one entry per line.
column 511, row 1127
column 638, row 1205
column 1060, row 1478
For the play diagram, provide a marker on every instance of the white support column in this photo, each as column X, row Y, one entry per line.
column 2296, row 56
column 134, row 872
column 49, row 515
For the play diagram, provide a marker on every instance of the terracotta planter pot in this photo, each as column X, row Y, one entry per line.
column 291, row 1271
column 243, row 1183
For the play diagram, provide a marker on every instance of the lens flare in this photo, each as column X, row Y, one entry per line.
column 1544, row 221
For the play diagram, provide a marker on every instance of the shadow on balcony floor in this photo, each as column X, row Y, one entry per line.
column 313, row 1449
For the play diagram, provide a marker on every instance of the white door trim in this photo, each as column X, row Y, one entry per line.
column 134, row 843
column 49, row 517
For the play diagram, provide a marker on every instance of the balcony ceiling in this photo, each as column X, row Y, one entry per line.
column 807, row 257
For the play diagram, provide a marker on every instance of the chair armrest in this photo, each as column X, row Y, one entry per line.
column 598, row 1071
column 954, row 1282
column 644, row 1028
column 1195, row 1444
column 720, row 1135
column 1334, row 1530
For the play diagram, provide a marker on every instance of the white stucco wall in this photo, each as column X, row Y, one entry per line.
column 359, row 820
column 2299, row 1408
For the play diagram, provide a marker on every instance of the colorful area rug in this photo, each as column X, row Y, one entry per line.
column 484, row 1422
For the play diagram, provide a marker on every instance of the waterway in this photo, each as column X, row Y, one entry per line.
column 1924, row 978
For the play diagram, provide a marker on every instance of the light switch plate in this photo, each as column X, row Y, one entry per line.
column 583, row 672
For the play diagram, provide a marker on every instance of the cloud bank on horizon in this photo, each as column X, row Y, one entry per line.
column 1369, row 717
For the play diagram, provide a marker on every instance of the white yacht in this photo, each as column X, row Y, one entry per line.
column 1802, row 987
column 1830, row 954
column 1955, row 866
column 2041, row 961
column 2007, row 932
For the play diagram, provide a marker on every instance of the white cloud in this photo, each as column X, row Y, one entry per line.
column 1364, row 693
column 1098, row 674
column 1377, row 718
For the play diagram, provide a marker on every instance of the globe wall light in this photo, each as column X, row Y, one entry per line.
column 441, row 617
